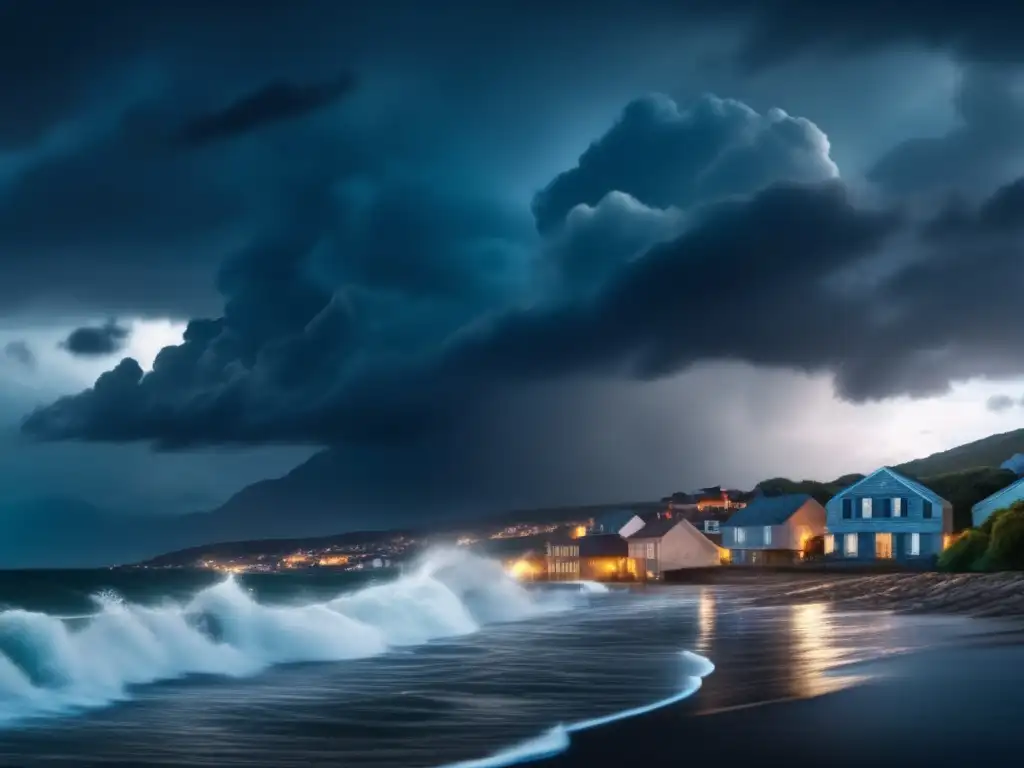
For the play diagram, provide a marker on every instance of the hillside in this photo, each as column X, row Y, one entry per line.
column 988, row 452
column 312, row 494
column 280, row 546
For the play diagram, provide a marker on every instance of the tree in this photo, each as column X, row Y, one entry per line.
column 1006, row 550
column 967, row 488
column 968, row 553
column 821, row 492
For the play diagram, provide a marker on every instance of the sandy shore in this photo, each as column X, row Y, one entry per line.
column 957, row 708
column 975, row 594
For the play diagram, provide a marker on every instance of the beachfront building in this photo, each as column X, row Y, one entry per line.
column 773, row 530
column 668, row 545
column 1001, row 499
column 605, row 557
column 622, row 522
column 887, row 516
column 563, row 557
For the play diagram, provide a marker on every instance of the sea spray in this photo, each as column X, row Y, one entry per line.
column 49, row 665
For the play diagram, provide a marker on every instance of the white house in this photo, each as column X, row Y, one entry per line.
column 667, row 545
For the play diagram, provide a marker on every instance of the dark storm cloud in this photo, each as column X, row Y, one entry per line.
column 91, row 190
column 778, row 30
column 664, row 157
column 21, row 353
column 743, row 283
column 398, row 304
column 1000, row 403
column 310, row 367
column 315, row 338
column 96, row 341
column 271, row 104
column 765, row 280
column 331, row 331
column 1000, row 214
column 984, row 149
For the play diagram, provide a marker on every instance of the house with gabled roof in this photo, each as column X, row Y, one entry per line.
column 1001, row 499
column 666, row 544
column 773, row 530
column 887, row 516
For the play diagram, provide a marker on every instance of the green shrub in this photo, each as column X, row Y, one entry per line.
column 967, row 553
column 988, row 524
column 1006, row 550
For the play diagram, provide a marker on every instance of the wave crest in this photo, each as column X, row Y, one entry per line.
column 49, row 665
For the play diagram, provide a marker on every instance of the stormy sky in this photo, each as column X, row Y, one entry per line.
column 502, row 254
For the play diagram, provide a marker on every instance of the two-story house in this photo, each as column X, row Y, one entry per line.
column 773, row 530
column 887, row 516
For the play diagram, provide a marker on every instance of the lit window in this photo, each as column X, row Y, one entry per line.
column 767, row 535
column 915, row 544
column 650, row 551
column 897, row 507
column 741, row 535
column 830, row 543
column 850, row 544
column 865, row 508
column 883, row 546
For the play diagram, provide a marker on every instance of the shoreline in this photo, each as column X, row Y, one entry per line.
column 977, row 595
column 933, row 708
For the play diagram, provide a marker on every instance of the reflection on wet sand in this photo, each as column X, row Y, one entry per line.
column 765, row 654
column 815, row 650
column 705, row 621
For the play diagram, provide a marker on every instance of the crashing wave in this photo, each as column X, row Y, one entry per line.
column 49, row 665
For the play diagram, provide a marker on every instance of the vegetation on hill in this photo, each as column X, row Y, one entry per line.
column 987, row 452
column 966, row 488
column 822, row 492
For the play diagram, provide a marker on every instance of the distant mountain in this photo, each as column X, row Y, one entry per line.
column 990, row 451
column 311, row 500
column 314, row 499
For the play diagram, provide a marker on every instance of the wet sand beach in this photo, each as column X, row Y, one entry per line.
column 982, row 595
column 958, row 706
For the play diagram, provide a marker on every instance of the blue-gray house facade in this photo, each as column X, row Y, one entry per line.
column 773, row 530
column 887, row 516
column 1001, row 499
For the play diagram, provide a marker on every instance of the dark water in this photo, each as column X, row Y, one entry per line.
column 313, row 685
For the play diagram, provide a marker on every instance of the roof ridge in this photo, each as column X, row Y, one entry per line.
column 1000, row 492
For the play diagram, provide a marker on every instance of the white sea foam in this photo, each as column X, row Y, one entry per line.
column 51, row 666
column 592, row 587
column 557, row 740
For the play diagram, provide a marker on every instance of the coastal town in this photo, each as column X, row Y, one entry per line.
column 885, row 519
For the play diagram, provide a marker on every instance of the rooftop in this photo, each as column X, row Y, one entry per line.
column 767, row 510
column 655, row 529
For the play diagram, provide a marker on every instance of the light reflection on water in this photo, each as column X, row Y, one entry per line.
column 461, row 699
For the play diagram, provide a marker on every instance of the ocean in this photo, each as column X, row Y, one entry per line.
column 450, row 664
